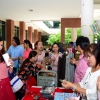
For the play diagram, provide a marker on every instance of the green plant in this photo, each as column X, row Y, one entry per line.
column 68, row 32
column 54, row 38
column 96, row 36
column 57, row 37
column 78, row 32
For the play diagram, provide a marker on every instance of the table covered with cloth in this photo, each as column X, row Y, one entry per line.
column 35, row 90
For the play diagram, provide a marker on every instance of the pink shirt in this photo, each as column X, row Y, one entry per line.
column 40, row 57
column 26, row 53
column 98, row 95
column 3, row 70
column 80, row 69
column 56, row 56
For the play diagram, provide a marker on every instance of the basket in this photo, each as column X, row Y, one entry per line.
column 46, row 78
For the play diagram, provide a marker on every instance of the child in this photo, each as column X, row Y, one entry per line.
column 5, row 87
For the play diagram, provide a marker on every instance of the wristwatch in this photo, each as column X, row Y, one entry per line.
column 74, row 87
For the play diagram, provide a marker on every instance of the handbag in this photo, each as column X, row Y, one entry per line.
column 16, row 83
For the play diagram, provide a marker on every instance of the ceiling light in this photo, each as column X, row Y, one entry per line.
column 30, row 10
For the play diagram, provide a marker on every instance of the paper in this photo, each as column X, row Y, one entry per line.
column 6, row 59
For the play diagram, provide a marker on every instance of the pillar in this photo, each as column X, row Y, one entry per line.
column 10, row 32
column 30, row 30
column 87, row 18
column 62, row 33
column 22, row 31
column 35, row 35
column 74, row 34
column 39, row 36
column 69, row 23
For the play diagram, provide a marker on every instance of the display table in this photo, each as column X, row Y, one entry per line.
column 35, row 90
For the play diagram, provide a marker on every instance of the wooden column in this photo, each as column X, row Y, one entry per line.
column 22, row 31
column 35, row 35
column 10, row 32
column 69, row 23
column 30, row 30
column 39, row 36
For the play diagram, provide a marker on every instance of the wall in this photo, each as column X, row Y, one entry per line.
column 16, row 23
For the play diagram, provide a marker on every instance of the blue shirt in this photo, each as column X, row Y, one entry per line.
column 15, row 52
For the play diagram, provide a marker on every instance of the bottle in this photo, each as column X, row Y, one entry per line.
column 52, row 87
column 52, row 83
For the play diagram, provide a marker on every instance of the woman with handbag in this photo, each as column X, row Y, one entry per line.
column 5, row 87
column 28, row 69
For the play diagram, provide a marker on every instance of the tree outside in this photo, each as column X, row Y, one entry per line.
column 57, row 37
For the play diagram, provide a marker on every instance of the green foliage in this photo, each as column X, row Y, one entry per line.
column 68, row 32
column 78, row 32
column 57, row 37
column 54, row 38
column 96, row 37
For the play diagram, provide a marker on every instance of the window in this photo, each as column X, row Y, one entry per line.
column 52, row 24
column 16, row 31
column 2, row 29
column 26, row 34
column 44, row 39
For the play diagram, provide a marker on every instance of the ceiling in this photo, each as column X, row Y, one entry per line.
column 96, row 1
column 50, row 10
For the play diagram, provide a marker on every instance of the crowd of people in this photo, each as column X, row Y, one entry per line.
column 28, row 61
